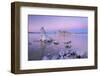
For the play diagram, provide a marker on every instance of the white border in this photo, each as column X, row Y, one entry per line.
column 25, row 64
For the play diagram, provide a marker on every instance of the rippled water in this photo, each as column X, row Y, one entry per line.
column 38, row 50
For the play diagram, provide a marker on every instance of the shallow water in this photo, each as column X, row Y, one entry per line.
column 38, row 50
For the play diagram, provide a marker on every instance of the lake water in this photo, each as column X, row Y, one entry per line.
column 38, row 50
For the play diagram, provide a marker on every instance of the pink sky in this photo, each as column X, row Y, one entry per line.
column 51, row 23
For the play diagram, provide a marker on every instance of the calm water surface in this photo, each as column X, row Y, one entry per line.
column 38, row 50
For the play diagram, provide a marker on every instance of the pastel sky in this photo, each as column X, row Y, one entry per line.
column 55, row 23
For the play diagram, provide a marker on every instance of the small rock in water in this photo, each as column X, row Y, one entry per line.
column 49, row 41
column 67, row 42
column 73, row 53
column 66, row 51
column 68, row 46
column 66, row 57
column 56, row 43
column 78, row 56
column 61, row 57
column 61, row 53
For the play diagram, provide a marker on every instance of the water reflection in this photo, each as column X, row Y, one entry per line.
column 70, row 47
